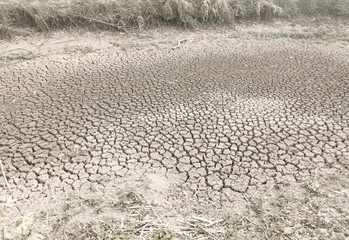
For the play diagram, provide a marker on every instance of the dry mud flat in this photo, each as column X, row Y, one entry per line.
column 211, row 125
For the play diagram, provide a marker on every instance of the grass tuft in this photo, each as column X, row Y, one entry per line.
column 49, row 15
column 15, row 57
column 130, row 199
column 163, row 234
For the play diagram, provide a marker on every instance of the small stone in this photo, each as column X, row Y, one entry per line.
column 244, row 139
column 282, row 145
column 248, row 153
column 323, row 231
column 226, row 152
column 183, row 167
column 201, row 171
column 317, row 150
column 169, row 162
column 90, row 139
column 308, row 153
column 43, row 178
column 156, row 156
column 130, row 151
column 288, row 230
column 31, row 175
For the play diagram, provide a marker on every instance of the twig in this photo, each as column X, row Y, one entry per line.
column 269, row 189
column 210, row 234
column 166, row 225
column 179, row 43
column 48, row 236
column 155, row 213
column 102, row 22
column 250, row 198
column 209, row 222
column 8, row 186
column 142, row 230
column 251, row 221
column 65, row 235
column 244, row 217
column 4, row 176
column 98, row 21
column 215, row 222
column 202, row 219
column 247, row 200
column 187, row 223
column 122, row 222
column 137, row 207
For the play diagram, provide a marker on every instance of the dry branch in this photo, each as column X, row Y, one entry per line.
column 7, row 185
column 4, row 176
column 179, row 43
column 102, row 22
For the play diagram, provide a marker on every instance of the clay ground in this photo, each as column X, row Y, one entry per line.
column 123, row 136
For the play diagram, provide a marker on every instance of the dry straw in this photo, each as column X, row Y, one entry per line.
column 100, row 15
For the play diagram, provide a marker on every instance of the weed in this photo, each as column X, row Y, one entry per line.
column 68, row 206
column 99, row 210
column 127, row 46
column 107, row 230
column 20, row 227
column 8, row 58
column 257, row 206
column 78, row 49
column 312, row 188
column 92, row 188
column 72, row 196
column 326, row 32
column 94, row 202
column 5, row 33
column 282, row 201
column 51, row 15
column 163, row 234
column 130, row 199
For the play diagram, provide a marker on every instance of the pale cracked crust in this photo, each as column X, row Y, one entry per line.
column 225, row 117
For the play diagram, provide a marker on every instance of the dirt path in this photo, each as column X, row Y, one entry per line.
column 218, row 118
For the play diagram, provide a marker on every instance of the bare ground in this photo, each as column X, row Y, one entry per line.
column 304, row 199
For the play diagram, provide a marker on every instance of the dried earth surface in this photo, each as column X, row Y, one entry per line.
column 215, row 122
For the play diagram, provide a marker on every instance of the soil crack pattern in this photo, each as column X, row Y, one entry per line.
column 225, row 118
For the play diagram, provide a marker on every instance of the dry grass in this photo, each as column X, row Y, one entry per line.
column 76, row 49
column 10, row 58
column 23, row 17
column 316, row 209
column 327, row 31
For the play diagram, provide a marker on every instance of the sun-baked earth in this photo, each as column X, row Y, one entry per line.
column 217, row 118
